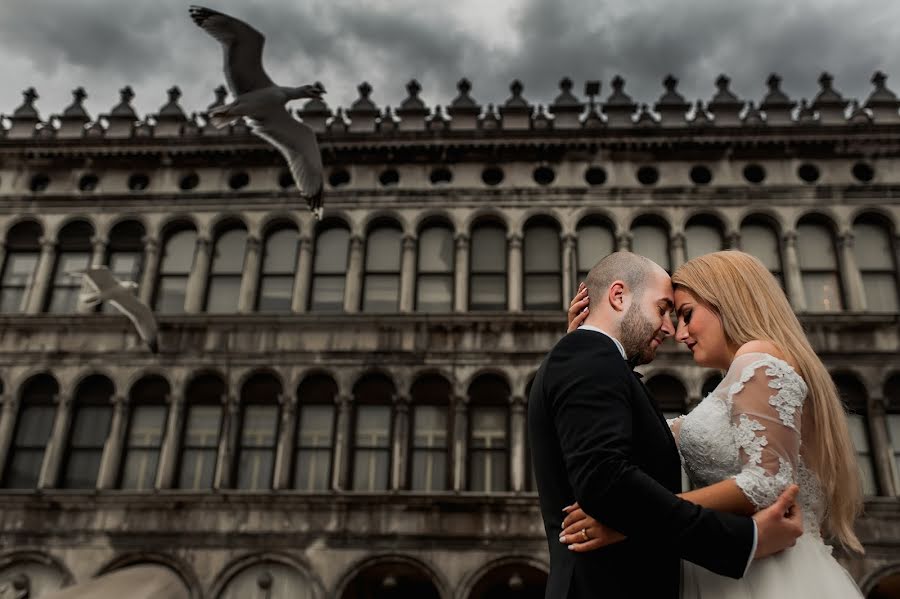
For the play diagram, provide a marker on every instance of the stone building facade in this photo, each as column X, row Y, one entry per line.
column 338, row 408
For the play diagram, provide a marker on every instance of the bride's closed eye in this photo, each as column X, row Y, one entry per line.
column 686, row 316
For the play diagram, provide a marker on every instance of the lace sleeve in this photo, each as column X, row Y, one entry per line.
column 766, row 403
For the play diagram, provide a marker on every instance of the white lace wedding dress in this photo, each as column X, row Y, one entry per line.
column 748, row 429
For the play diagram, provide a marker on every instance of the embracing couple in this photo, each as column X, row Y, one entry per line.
column 768, row 451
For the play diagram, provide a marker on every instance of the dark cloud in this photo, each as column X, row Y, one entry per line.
column 56, row 45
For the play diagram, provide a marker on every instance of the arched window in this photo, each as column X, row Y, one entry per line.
column 125, row 254
column 92, row 413
column 74, row 254
column 394, row 579
column 650, row 238
column 200, row 435
column 487, row 283
column 226, row 271
column 146, row 431
column 330, row 268
column 875, row 257
column 759, row 238
column 430, row 435
column 530, row 480
column 315, row 433
column 175, row 266
column 853, row 394
column 372, row 397
column 595, row 241
column 279, row 261
column 23, row 250
column 259, row 432
column 33, row 429
column 892, row 400
column 381, row 287
column 818, row 267
column 542, row 265
column 702, row 235
column 489, row 434
column 434, row 283
column 268, row 580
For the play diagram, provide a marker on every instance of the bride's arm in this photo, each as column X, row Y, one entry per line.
column 724, row 496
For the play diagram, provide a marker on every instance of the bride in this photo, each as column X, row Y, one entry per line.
column 774, row 419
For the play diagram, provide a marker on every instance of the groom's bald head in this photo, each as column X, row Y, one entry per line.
column 632, row 269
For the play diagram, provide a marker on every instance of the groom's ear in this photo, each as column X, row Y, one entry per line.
column 617, row 296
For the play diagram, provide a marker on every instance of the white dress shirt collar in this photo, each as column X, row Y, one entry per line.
column 616, row 341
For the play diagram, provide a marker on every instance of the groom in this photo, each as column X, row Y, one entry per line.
column 599, row 438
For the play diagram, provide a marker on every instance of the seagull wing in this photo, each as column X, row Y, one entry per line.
column 243, row 47
column 138, row 313
column 101, row 279
column 297, row 143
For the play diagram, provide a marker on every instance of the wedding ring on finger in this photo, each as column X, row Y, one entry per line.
column 584, row 535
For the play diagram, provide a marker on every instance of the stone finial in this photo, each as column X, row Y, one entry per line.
column 363, row 112
column 124, row 108
column 619, row 107
column 316, row 114
column 806, row 114
column 27, row 110
column 566, row 108
column 883, row 103
column 829, row 103
column 220, row 94
column 338, row 123
column 25, row 118
column 672, row 107
column 646, row 118
column 171, row 109
column 776, row 104
column 725, row 106
column 516, row 100
column 858, row 114
column 753, row 118
column 122, row 118
column 412, row 111
column 516, row 111
column 541, row 119
column 490, row 120
column 437, row 121
column 73, row 119
column 387, row 122
column 463, row 110
column 700, row 117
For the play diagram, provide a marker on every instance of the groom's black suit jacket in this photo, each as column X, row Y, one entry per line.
column 598, row 437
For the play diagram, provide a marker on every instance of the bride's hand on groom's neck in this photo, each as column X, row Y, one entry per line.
column 578, row 308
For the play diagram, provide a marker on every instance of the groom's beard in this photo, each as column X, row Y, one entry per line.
column 637, row 333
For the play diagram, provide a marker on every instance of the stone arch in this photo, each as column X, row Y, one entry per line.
column 489, row 580
column 38, row 564
column 141, row 558
column 285, row 563
column 397, row 572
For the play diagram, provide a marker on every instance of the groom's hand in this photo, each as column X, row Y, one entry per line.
column 779, row 525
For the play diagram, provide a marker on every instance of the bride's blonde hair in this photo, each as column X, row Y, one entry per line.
column 751, row 306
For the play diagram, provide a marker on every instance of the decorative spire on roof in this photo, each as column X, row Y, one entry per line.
column 463, row 110
column 829, row 103
column 73, row 119
column 753, row 117
column 725, row 106
column 387, row 122
column 490, row 120
column 883, row 102
column 672, row 107
column 221, row 93
column 363, row 113
column 776, row 104
column 701, row 117
column 338, row 123
column 858, row 114
column 619, row 107
column 646, row 118
column 124, row 109
column 566, row 108
column 315, row 113
column 593, row 119
column 412, row 111
column 806, row 114
column 437, row 121
column 171, row 109
column 516, row 111
column 541, row 119
column 122, row 118
column 25, row 118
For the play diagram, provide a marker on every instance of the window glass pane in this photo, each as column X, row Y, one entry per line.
column 872, row 247
column 373, row 426
column 228, row 256
column 701, row 239
column 35, row 425
column 82, row 468
column 382, row 293
column 312, row 469
column 171, row 295
column 331, row 251
column 383, row 249
column 594, row 242
column 541, row 249
column 255, row 469
column 140, row 469
column 435, row 294
column 881, row 292
column 370, row 470
column 430, row 426
column 281, row 252
column 17, row 277
column 815, row 248
column 436, row 250
column 429, row 471
column 542, row 292
column 202, row 427
column 857, row 424
column 197, row 468
column 260, row 426
column 147, row 426
column 125, row 266
column 822, row 292
column 651, row 242
column 488, row 292
column 488, row 252
column 328, row 294
column 223, row 294
column 178, row 256
column 762, row 242
column 489, row 471
column 275, row 294
column 90, row 426
column 66, row 284
column 316, row 426
column 24, row 469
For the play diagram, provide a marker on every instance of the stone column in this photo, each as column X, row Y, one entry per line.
column 569, row 270
column 171, row 447
column 285, row 449
column 196, row 288
column 400, row 443
column 459, row 451
column 734, row 240
column 228, row 442
column 37, row 296
column 353, row 291
column 56, row 446
column 517, row 455
column 112, row 450
column 151, row 268
column 340, row 475
column 882, row 452
column 514, row 273
column 8, row 416
column 792, row 278
column 679, row 254
column 461, row 272
column 408, row 274
column 853, row 285
column 250, row 276
column 98, row 258
column 623, row 241
column 303, row 282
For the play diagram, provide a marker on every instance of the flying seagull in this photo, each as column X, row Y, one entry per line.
column 106, row 288
column 258, row 99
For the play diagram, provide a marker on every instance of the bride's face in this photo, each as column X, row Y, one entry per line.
column 700, row 329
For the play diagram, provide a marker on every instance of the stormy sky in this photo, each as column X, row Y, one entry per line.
column 102, row 45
